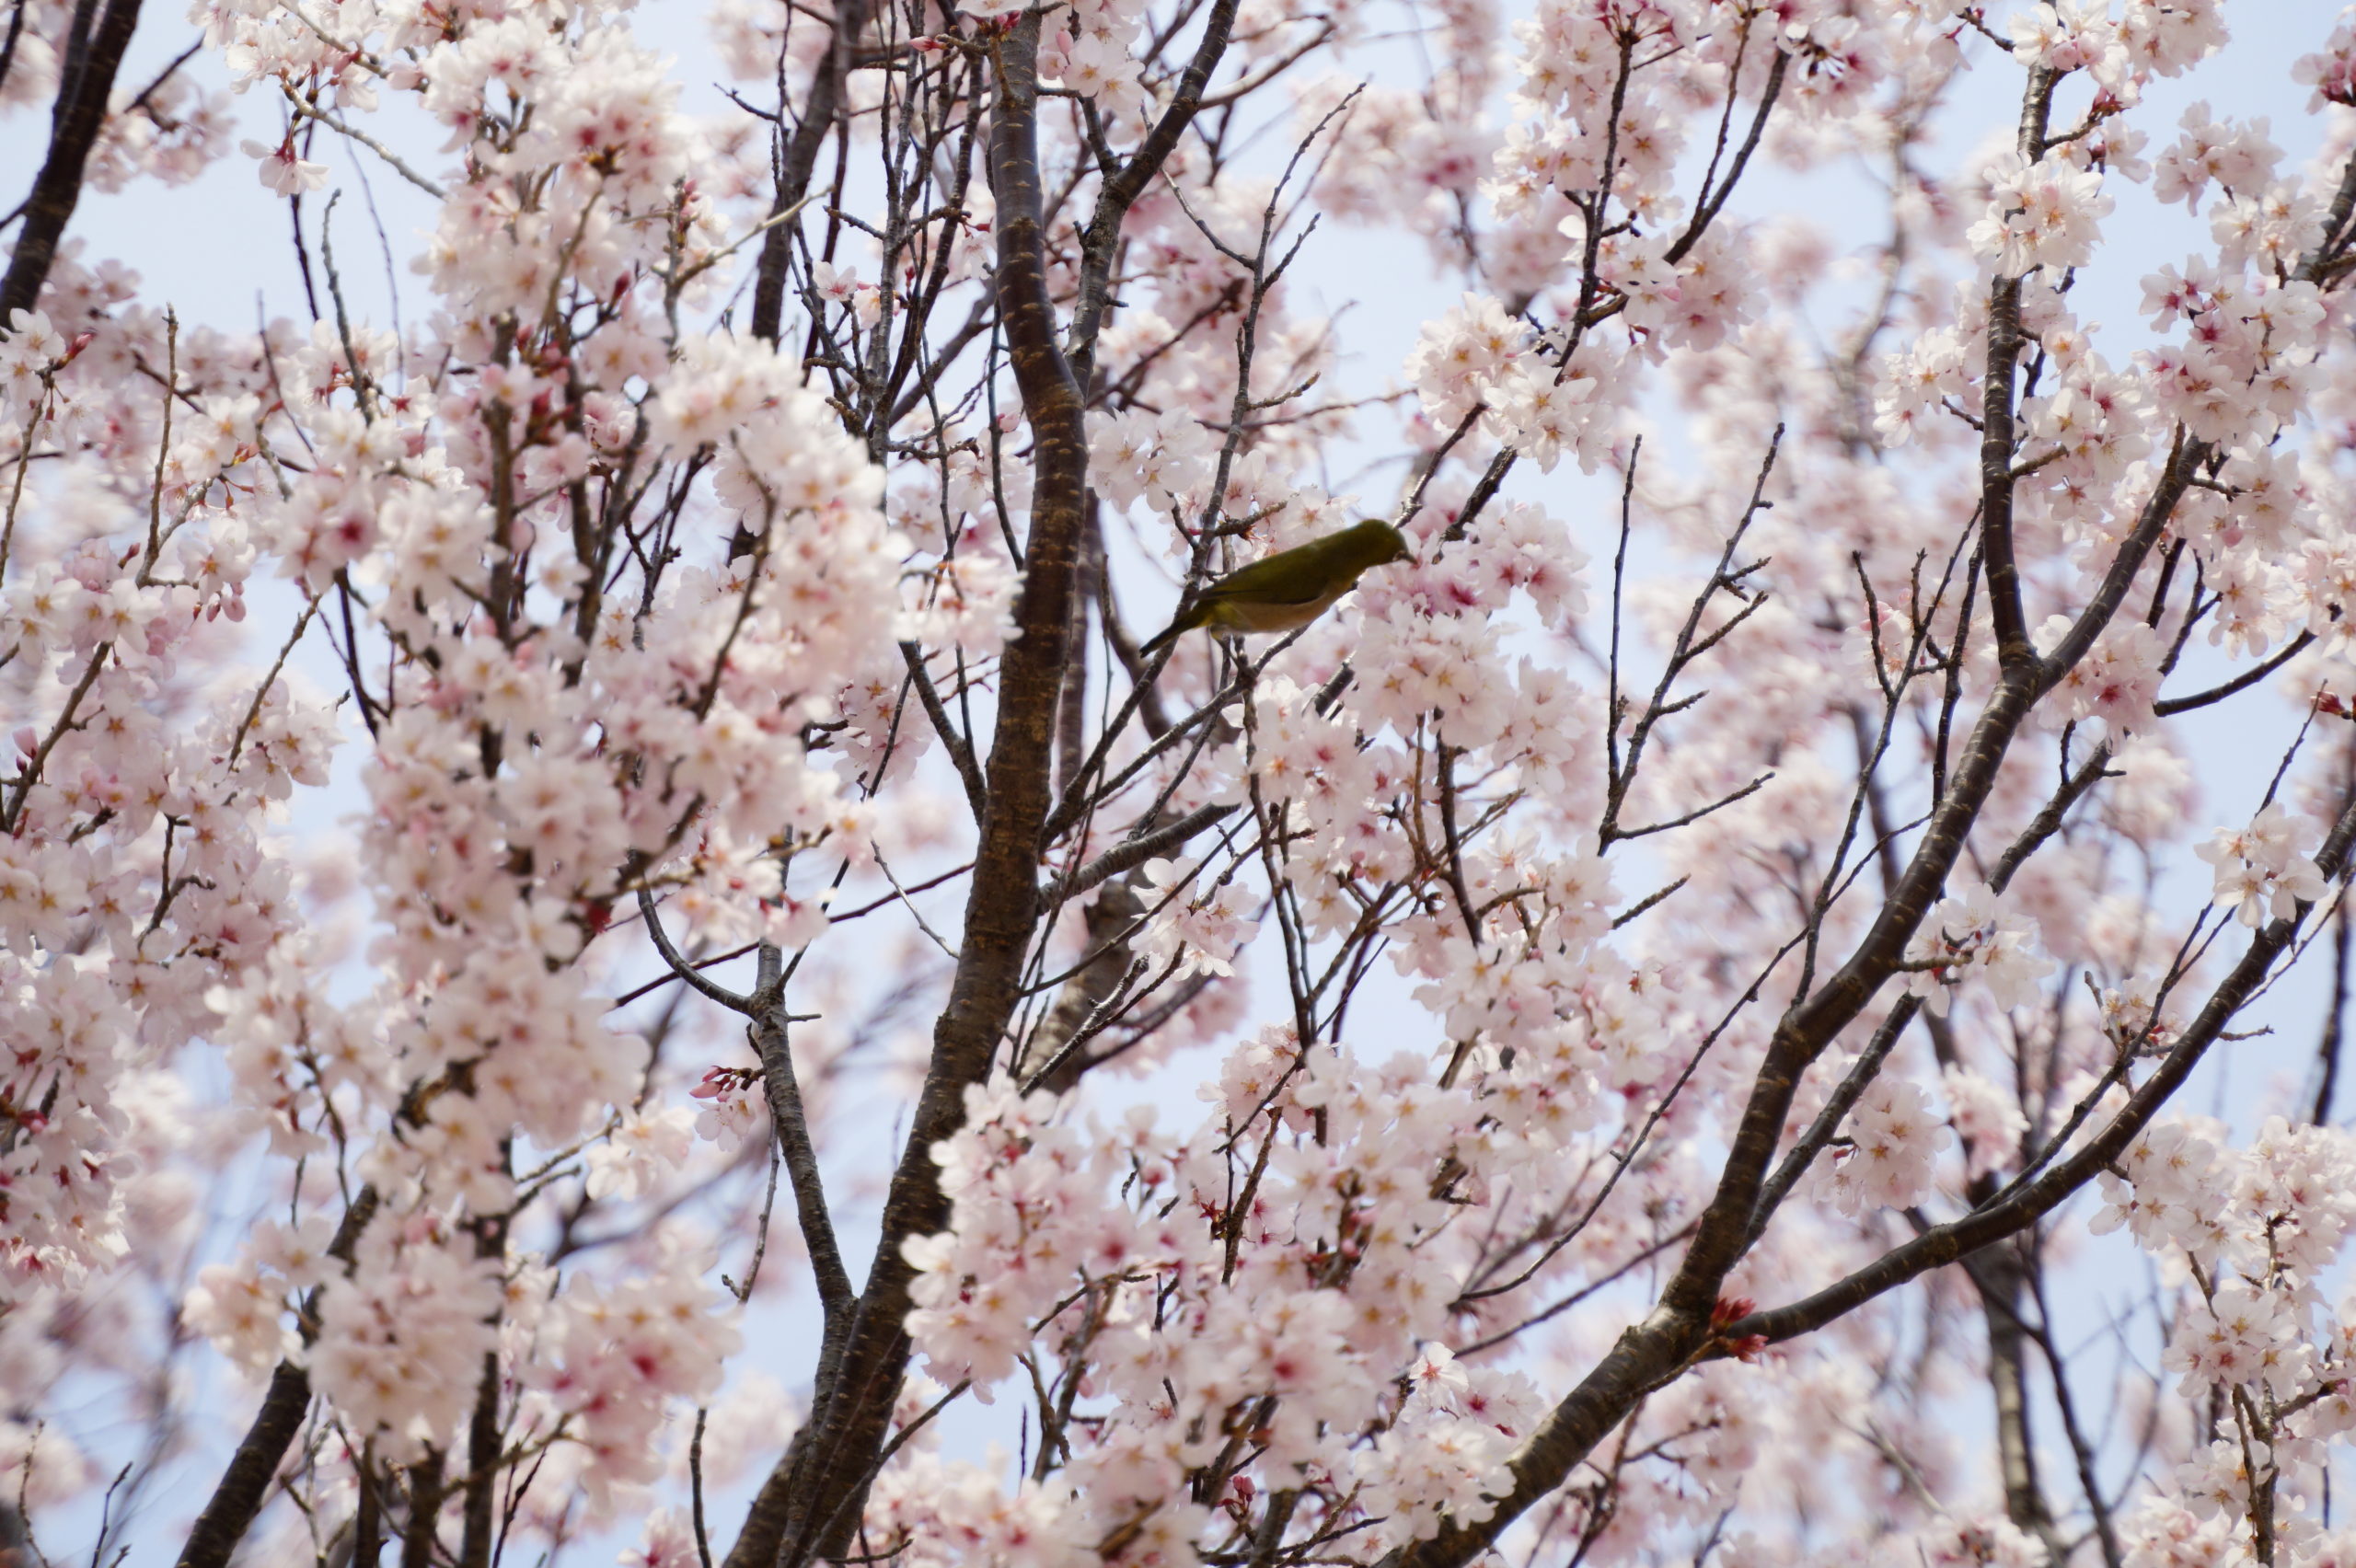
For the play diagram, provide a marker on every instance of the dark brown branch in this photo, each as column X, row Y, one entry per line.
column 812, row 1505
column 1999, row 1277
column 2048, row 821
column 482, row 1469
column 246, row 1483
column 426, row 1490
column 801, row 155
column 1707, row 210
column 2335, row 1020
column 783, row 1091
column 2175, row 477
column 73, row 128
column 2025, row 1204
column 961, row 751
column 1837, row 1105
column 697, row 980
column 1997, row 479
column 2170, row 707
column 8, row 58
column 1132, row 852
column 1678, row 1330
column 1121, row 190
column 2335, row 231
column 2082, row 1451
column 2014, row 648
column 1620, row 770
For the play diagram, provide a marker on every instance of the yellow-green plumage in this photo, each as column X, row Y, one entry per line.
column 1291, row 588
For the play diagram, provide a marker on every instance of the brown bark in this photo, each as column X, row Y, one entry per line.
column 242, row 1485
column 2006, row 339
column 1999, row 1278
column 799, row 157
column 815, row 1510
column 1105, row 925
column 482, row 1469
column 245, row 1483
column 426, row 1491
column 811, row 1502
column 74, row 123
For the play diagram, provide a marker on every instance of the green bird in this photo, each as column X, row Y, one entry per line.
column 1291, row 588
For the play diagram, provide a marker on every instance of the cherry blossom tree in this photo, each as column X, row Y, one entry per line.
column 1646, row 1035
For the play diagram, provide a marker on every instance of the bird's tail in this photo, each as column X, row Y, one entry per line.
column 1184, row 621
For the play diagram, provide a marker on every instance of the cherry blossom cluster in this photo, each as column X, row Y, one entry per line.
column 1298, row 1281
column 425, row 492
column 1894, row 1137
column 2252, row 1233
column 2261, row 871
column 1978, row 933
column 2045, row 214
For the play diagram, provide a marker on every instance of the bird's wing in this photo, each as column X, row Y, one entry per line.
column 1263, row 581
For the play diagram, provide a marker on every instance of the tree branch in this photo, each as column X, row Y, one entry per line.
column 2025, row 1204
column 1678, row 1330
column 238, row 1496
column 806, row 1515
column 73, row 128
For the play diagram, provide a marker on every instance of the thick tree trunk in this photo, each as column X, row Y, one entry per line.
column 1998, row 1275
